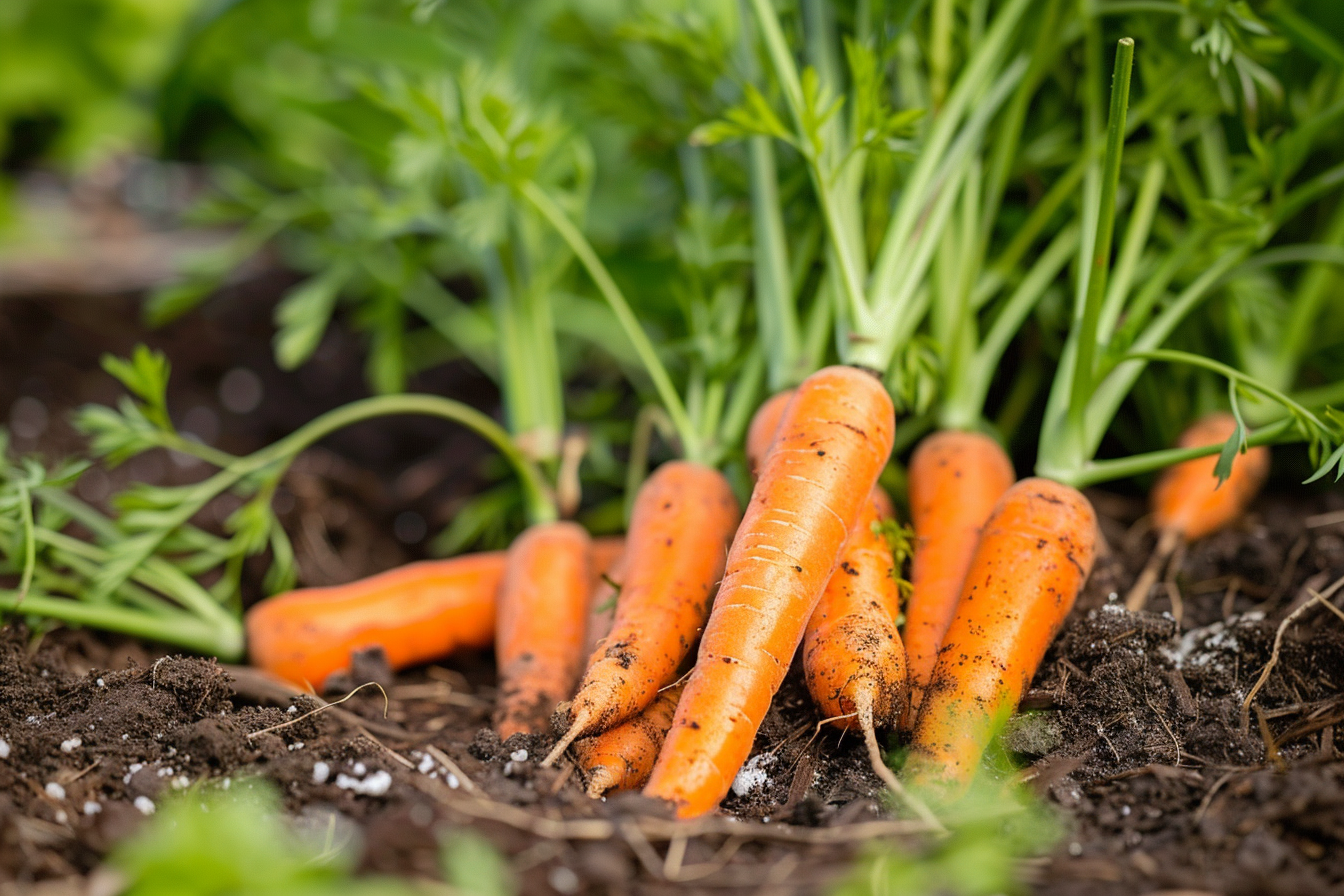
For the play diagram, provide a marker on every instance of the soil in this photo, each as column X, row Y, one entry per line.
column 1134, row 729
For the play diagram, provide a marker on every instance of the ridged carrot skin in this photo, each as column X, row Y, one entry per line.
column 835, row 438
column 761, row 431
column 542, row 619
column 622, row 757
column 955, row 479
column 1187, row 498
column 853, row 658
column 1032, row 560
column 683, row 519
column 415, row 613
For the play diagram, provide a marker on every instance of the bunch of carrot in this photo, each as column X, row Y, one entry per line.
column 996, row 569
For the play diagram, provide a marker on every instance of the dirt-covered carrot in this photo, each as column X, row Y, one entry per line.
column 414, row 614
column 764, row 425
column 835, row 438
column 853, row 658
column 852, row 654
column 955, row 478
column 1032, row 559
column 1189, row 503
column 622, row 757
column 684, row 517
column 542, row 617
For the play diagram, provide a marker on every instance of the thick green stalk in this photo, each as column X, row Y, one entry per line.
column 211, row 638
column 1313, row 290
column 1095, row 472
column 774, row 287
column 1101, row 251
column 1131, row 247
column 662, row 383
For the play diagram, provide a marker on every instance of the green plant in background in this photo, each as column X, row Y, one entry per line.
column 77, row 78
column 212, row 842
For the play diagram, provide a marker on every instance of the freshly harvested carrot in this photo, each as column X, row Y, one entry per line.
column 955, row 478
column 621, row 757
column 414, row 613
column 761, row 431
column 543, row 612
column 852, row 654
column 833, row 441
column 684, row 516
column 1033, row 557
column 1188, row 502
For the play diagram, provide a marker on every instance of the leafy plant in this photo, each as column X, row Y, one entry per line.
column 214, row 842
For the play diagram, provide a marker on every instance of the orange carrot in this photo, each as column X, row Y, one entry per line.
column 621, row 757
column 1032, row 560
column 955, row 480
column 683, row 519
column 1188, row 503
column 833, row 441
column 543, row 611
column 764, row 425
column 415, row 613
column 852, row 654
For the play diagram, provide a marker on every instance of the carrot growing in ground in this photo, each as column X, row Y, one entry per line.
column 853, row 658
column 1037, row 548
column 1032, row 559
column 1190, row 502
column 622, row 757
column 684, row 516
column 955, row 478
column 542, row 615
column 834, row 439
column 415, row 613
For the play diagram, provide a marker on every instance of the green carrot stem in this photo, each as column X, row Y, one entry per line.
column 1097, row 471
column 212, row 638
column 581, row 248
column 1084, row 364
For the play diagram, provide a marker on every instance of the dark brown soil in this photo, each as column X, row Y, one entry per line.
column 1134, row 729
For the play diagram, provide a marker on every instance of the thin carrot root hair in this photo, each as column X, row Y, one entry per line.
column 884, row 772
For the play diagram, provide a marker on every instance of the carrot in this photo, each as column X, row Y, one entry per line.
column 415, row 613
column 761, row 431
column 1189, row 503
column 683, row 519
column 852, row 654
column 834, row 439
column 1032, row 560
column 955, row 480
column 543, row 611
column 621, row 757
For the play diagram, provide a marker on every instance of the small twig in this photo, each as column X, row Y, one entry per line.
column 1325, row 519
column 1208, row 797
column 313, row 712
column 1316, row 596
column 454, row 769
column 1271, row 748
column 1289, row 567
column 1137, row 598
